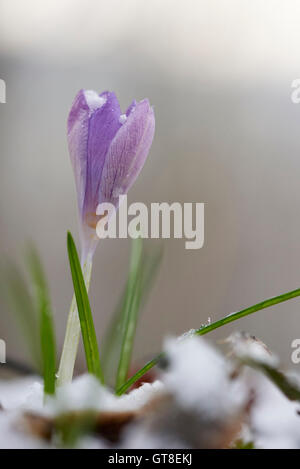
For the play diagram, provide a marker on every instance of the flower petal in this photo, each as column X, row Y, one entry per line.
column 78, row 123
column 103, row 126
column 127, row 153
column 93, row 122
column 131, row 108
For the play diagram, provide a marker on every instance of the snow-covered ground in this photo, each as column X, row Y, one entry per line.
column 201, row 400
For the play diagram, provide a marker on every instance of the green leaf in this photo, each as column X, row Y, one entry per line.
column 241, row 444
column 130, row 310
column 71, row 426
column 20, row 301
column 208, row 328
column 47, row 335
column 112, row 342
column 84, row 311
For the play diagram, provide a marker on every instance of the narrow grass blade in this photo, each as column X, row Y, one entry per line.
column 151, row 264
column 84, row 312
column 130, row 310
column 47, row 335
column 21, row 303
column 210, row 327
column 112, row 342
column 111, row 345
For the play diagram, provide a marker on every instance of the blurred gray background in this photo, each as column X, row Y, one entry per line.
column 219, row 74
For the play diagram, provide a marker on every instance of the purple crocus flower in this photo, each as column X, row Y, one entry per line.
column 108, row 150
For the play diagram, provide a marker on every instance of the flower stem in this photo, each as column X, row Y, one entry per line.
column 69, row 352
column 210, row 327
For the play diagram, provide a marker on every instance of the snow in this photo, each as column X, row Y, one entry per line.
column 122, row 118
column 86, row 393
column 13, row 437
column 199, row 377
column 139, row 436
column 17, row 396
column 93, row 100
column 275, row 422
column 199, row 389
column 187, row 335
column 22, row 393
column 247, row 347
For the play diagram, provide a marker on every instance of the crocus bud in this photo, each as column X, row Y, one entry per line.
column 108, row 150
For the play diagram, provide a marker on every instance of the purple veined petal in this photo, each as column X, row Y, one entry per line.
column 78, row 122
column 103, row 126
column 108, row 149
column 127, row 153
column 131, row 108
column 93, row 122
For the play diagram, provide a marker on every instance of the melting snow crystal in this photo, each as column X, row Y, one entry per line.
column 122, row 118
column 94, row 101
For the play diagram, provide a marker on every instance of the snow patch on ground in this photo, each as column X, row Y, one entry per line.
column 86, row 393
column 22, row 393
column 197, row 392
column 275, row 421
column 247, row 347
column 13, row 437
column 199, row 377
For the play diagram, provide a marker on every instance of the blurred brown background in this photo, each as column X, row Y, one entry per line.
column 219, row 75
